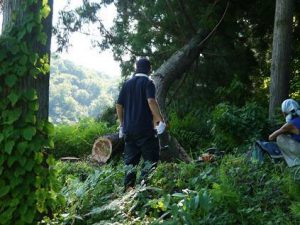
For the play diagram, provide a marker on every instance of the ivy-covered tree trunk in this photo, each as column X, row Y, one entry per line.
column 281, row 54
column 11, row 15
column 26, row 172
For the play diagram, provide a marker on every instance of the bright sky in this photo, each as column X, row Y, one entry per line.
column 81, row 52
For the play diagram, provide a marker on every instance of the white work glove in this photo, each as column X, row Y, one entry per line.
column 160, row 128
column 121, row 132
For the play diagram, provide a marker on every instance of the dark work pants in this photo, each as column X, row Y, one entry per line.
column 136, row 146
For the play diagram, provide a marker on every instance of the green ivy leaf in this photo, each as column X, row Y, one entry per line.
column 8, row 147
column 29, row 27
column 13, row 97
column 24, row 48
column 11, row 115
column 14, row 202
column 22, row 147
column 45, row 2
column 49, row 128
column 21, row 34
column 31, row 95
column 33, row 58
column 6, row 216
column 14, row 49
column 45, row 11
column 42, row 38
column 30, row 118
column 23, row 59
column 11, row 160
column 46, row 68
column 10, row 80
column 21, row 70
column 29, row 165
column 15, row 181
column 28, row 133
column 2, row 159
column 22, row 160
column 39, row 157
column 2, row 55
column 50, row 143
column 8, row 131
column 34, row 106
column 29, row 216
column 4, row 190
column 19, row 171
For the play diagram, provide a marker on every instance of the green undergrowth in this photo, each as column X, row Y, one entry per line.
column 77, row 139
column 229, row 191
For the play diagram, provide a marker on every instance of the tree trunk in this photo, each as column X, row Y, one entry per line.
column 281, row 54
column 41, row 84
column 163, row 78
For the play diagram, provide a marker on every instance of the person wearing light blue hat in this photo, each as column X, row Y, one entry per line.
column 288, row 136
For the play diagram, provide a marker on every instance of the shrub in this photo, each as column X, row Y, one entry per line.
column 109, row 116
column 86, row 199
column 191, row 130
column 77, row 139
column 233, row 127
column 80, row 170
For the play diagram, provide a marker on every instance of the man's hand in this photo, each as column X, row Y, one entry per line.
column 161, row 127
column 271, row 137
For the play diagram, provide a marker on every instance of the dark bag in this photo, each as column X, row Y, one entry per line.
column 262, row 149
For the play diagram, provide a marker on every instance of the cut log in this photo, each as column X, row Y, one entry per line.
column 105, row 146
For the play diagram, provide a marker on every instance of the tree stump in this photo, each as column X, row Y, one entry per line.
column 105, row 146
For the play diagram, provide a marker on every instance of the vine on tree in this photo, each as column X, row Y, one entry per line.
column 27, row 179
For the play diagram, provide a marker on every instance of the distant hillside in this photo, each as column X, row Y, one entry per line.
column 77, row 92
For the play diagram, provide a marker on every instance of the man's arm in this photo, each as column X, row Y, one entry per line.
column 153, row 105
column 286, row 128
column 120, row 114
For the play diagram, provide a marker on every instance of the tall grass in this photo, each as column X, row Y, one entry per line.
column 77, row 139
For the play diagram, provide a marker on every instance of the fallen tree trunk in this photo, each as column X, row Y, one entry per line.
column 171, row 70
column 104, row 147
column 109, row 145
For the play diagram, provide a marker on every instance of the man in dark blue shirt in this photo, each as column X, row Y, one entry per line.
column 138, row 113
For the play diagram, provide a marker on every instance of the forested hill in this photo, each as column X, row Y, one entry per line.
column 77, row 92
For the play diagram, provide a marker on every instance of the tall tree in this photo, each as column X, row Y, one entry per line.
column 13, row 15
column 281, row 54
column 26, row 181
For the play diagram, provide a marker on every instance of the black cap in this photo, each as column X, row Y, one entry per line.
column 143, row 66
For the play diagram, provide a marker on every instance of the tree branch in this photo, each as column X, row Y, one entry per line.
column 215, row 28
